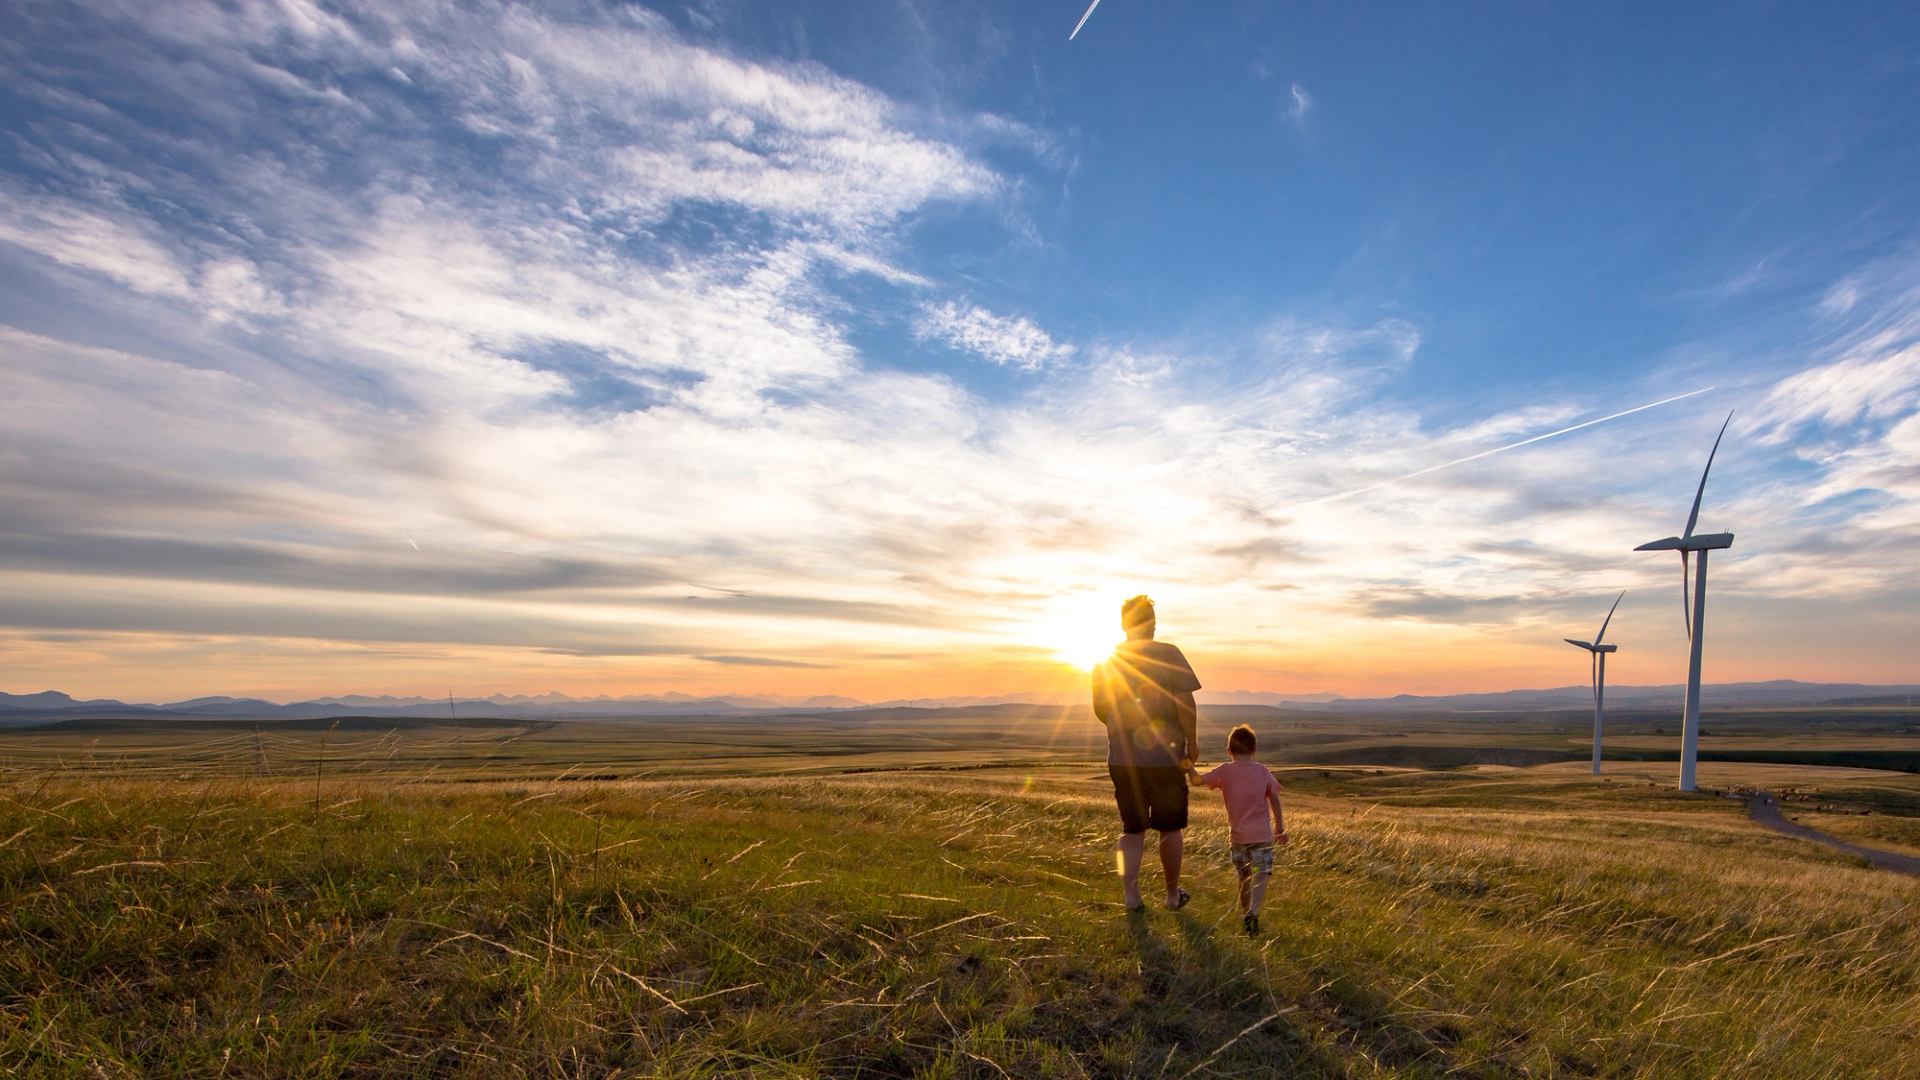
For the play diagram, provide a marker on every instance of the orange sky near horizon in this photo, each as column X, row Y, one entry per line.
column 1371, row 660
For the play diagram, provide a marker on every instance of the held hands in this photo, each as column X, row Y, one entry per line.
column 1280, row 838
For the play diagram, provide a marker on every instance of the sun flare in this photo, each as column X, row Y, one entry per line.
column 1081, row 635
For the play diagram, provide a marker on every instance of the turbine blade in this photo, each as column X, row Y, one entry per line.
column 1686, row 611
column 1694, row 517
column 1582, row 644
column 1602, row 635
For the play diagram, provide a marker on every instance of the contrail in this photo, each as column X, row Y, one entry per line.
column 1083, row 20
column 1503, row 449
column 409, row 540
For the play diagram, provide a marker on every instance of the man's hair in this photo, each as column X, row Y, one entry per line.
column 1136, row 612
column 1240, row 740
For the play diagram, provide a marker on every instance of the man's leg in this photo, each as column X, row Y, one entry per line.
column 1167, row 813
column 1132, row 846
column 1171, row 844
column 1130, row 797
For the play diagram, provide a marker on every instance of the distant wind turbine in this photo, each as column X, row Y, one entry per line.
column 1599, row 652
column 1083, row 20
column 1686, row 544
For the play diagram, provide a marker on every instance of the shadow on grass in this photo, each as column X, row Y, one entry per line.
column 1358, row 1014
column 1200, row 1003
column 1200, row 995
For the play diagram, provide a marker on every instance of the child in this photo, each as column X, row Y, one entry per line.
column 1250, row 792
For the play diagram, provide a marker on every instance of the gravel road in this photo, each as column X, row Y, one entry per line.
column 1765, row 809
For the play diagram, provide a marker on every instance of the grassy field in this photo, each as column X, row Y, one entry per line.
column 386, row 905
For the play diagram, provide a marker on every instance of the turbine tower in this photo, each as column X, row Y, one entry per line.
column 1599, row 652
column 1687, row 544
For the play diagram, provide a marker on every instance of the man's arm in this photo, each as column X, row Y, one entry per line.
column 1189, row 725
column 1102, row 695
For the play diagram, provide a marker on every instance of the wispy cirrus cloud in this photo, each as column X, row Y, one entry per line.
column 1875, row 380
column 115, row 247
column 1009, row 340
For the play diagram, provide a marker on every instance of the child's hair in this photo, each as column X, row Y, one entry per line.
column 1240, row 740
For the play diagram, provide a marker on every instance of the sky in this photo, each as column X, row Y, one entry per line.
column 883, row 347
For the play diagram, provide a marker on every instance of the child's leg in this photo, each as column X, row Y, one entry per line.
column 1245, row 877
column 1255, row 892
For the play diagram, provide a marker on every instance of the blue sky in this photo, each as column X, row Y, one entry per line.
column 881, row 348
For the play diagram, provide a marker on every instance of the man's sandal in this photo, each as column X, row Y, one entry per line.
column 1181, row 902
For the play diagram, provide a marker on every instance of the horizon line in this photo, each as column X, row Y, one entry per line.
column 1008, row 698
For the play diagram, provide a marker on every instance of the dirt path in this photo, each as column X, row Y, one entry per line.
column 1765, row 809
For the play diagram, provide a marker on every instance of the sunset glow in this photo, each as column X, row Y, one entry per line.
column 400, row 348
column 1080, row 632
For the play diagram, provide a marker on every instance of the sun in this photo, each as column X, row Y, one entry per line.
column 1081, row 634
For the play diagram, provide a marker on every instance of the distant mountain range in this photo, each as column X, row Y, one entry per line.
column 1741, row 695
column 51, row 705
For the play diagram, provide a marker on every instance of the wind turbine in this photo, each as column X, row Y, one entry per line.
column 1687, row 544
column 1599, row 652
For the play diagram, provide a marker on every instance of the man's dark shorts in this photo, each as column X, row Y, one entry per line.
column 1150, row 797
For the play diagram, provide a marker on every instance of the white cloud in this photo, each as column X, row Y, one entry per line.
column 1877, row 380
column 88, row 240
column 445, row 288
column 1845, row 524
column 689, row 123
column 1299, row 103
column 231, row 288
column 1010, row 340
column 1840, row 299
column 465, row 309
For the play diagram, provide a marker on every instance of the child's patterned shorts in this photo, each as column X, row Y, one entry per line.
column 1253, row 858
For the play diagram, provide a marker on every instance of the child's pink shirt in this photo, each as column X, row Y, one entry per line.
column 1245, row 785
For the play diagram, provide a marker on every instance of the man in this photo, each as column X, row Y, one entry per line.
column 1143, row 693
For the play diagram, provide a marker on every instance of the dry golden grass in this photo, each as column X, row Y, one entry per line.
column 1492, row 923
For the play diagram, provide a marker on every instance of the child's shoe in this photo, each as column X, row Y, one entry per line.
column 1251, row 922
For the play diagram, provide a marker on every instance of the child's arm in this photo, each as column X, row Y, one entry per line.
column 1279, row 821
